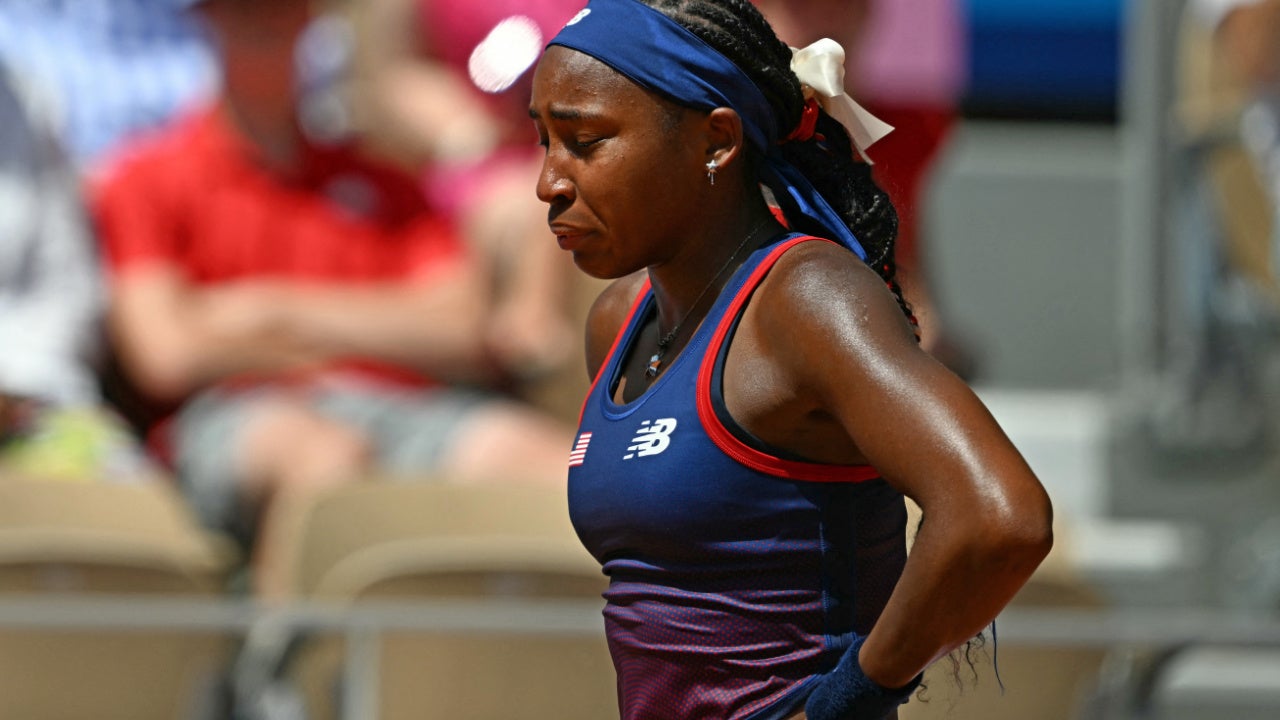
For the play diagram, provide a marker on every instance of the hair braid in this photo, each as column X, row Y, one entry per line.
column 848, row 185
column 737, row 30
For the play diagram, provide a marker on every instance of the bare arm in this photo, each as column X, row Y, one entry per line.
column 987, row 520
column 529, row 330
column 433, row 325
column 173, row 342
column 177, row 337
column 411, row 106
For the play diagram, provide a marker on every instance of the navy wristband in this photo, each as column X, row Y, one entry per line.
column 846, row 693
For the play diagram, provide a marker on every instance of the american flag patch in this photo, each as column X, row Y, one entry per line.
column 579, row 453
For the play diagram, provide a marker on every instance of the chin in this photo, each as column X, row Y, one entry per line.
column 599, row 270
column 591, row 270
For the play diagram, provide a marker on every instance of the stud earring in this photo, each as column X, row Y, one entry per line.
column 712, row 167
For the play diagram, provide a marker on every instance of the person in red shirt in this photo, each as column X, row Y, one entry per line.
column 302, row 310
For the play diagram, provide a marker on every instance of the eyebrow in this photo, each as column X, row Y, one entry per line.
column 563, row 113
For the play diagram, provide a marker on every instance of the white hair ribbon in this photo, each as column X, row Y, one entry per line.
column 820, row 69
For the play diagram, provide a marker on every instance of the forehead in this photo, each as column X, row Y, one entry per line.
column 565, row 76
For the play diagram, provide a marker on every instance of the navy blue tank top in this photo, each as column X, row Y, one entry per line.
column 736, row 574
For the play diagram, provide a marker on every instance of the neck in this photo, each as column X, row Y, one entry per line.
column 678, row 285
column 274, row 136
column 670, row 340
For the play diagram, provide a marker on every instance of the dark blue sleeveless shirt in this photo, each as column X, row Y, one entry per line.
column 736, row 574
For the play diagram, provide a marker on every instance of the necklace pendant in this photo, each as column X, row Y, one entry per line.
column 655, row 361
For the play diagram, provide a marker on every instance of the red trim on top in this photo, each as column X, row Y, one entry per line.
column 617, row 340
column 724, row 439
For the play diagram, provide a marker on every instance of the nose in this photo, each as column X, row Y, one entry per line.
column 554, row 186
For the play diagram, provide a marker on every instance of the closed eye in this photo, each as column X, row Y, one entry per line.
column 541, row 131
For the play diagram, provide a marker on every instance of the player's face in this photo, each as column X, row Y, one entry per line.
column 623, row 170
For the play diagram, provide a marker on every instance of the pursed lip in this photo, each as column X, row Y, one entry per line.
column 568, row 236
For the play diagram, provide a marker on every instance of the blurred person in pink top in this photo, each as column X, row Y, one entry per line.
column 442, row 88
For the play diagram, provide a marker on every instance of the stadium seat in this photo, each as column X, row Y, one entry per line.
column 1210, row 682
column 388, row 541
column 86, row 541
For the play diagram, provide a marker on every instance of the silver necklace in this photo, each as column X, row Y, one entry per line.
column 655, row 360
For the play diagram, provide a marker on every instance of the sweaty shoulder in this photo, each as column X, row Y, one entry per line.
column 820, row 298
column 607, row 316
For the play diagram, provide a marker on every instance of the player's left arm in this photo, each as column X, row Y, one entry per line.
column 846, row 348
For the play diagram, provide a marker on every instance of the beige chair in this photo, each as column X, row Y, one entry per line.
column 81, row 540
column 405, row 541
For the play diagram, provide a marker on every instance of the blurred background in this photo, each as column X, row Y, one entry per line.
column 252, row 252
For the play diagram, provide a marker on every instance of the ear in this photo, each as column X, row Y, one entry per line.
column 724, row 137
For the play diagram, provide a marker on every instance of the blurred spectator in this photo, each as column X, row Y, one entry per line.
column 112, row 68
column 1223, row 304
column 52, row 422
column 1246, row 46
column 1226, row 366
column 311, row 317
column 417, row 69
column 455, row 50
column 917, row 92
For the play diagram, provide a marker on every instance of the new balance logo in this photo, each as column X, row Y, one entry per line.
column 653, row 438
column 579, row 453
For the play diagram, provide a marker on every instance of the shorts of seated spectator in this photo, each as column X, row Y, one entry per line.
column 411, row 430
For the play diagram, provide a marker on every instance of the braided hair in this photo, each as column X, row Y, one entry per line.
column 737, row 30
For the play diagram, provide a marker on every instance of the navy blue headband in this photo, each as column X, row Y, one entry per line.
column 660, row 55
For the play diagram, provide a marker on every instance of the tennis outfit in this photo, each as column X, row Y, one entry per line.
column 738, row 574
